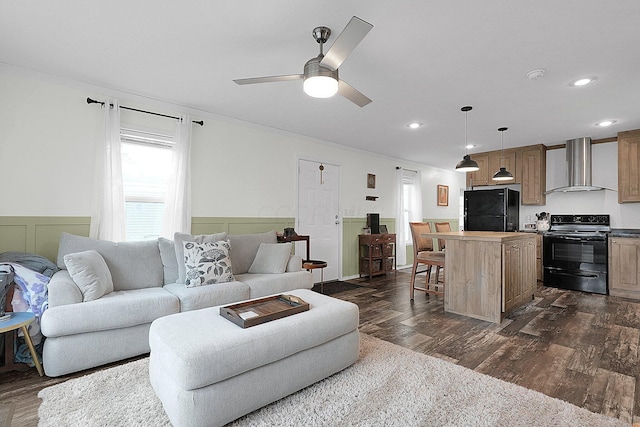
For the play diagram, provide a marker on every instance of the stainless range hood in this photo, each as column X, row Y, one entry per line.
column 578, row 167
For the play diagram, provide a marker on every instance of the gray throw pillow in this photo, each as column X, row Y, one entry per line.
column 90, row 273
column 180, row 238
column 244, row 248
column 271, row 258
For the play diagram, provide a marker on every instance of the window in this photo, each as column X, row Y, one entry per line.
column 146, row 162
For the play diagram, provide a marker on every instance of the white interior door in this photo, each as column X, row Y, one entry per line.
column 319, row 215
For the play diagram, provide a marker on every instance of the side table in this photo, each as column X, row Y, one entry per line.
column 310, row 264
column 19, row 320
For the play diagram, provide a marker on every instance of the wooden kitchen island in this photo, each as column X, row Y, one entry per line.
column 488, row 274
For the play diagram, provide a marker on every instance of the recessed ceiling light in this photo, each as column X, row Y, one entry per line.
column 414, row 125
column 469, row 146
column 584, row 81
column 605, row 123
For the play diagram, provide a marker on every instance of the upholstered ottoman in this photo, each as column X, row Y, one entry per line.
column 208, row 371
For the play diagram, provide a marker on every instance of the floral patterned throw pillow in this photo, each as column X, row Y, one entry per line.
column 207, row 263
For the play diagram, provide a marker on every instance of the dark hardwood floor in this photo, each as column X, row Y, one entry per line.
column 578, row 347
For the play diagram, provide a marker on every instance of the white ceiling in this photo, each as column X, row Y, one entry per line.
column 422, row 61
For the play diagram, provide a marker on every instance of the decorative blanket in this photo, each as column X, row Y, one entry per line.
column 30, row 295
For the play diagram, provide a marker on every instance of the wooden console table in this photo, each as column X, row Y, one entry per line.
column 376, row 254
column 296, row 238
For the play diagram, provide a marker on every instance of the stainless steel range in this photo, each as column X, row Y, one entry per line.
column 575, row 252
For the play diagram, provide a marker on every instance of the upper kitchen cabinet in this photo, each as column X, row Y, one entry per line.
column 534, row 175
column 527, row 164
column 628, row 166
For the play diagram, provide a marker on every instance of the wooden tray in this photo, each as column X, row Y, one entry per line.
column 255, row 312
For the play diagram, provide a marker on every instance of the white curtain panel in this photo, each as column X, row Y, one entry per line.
column 416, row 196
column 108, row 219
column 177, row 206
column 408, row 208
column 401, row 249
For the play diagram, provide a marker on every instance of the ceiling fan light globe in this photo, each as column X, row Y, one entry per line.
column 320, row 86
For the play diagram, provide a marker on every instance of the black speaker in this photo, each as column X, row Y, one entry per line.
column 373, row 222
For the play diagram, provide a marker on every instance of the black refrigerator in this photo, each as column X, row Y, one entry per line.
column 492, row 210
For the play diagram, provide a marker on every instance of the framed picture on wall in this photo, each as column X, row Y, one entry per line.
column 371, row 180
column 443, row 195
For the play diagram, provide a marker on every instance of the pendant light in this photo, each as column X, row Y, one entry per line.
column 503, row 174
column 466, row 164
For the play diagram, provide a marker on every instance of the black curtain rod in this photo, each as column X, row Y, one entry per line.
column 93, row 101
column 410, row 170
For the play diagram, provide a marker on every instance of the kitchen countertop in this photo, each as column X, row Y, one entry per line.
column 486, row 236
column 625, row 232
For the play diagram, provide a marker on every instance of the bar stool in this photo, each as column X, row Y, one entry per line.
column 423, row 253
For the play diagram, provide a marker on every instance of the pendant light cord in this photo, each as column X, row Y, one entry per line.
column 502, row 144
column 466, row 125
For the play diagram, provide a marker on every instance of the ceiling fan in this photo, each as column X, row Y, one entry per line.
column 321, row 73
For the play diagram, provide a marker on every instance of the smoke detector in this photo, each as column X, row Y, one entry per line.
column 536, row 74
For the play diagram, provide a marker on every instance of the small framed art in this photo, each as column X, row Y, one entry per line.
column 443, row 195
column 371, row 180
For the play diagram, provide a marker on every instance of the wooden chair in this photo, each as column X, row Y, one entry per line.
column 423, row 253
column 442, row 226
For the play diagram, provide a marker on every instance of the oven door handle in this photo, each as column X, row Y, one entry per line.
column 560, row 272
column 580, row 239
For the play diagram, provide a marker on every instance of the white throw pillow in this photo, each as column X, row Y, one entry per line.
column 271, row 258
column 207, row 263
column 90, row 273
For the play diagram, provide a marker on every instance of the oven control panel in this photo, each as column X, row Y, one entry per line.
column 599, row 219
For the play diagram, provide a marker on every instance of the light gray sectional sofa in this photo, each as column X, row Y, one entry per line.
column 89, row 323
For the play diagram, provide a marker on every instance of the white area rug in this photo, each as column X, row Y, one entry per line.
column 389, row 385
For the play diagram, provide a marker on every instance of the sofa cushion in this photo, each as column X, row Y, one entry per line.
column 133, row 265
column 271, row 258
column 169, row 260
column 268, row 284
column 208, row 296
column 90, row 273
column 207, row 263
column 119, row 309
column 180, row 238
column 244, row 248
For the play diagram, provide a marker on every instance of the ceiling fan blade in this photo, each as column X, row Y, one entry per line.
column 353, row 95
column 269, row 79
column 348, row 39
